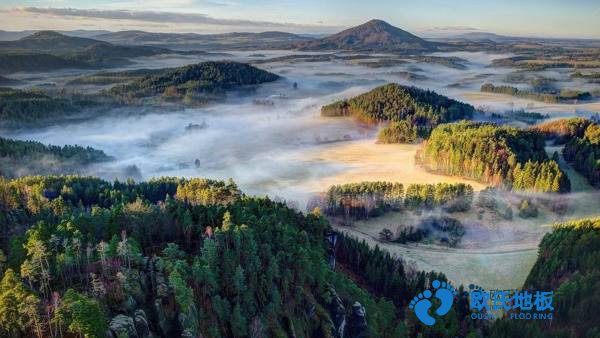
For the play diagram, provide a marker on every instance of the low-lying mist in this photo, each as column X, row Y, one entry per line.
column 256, row 136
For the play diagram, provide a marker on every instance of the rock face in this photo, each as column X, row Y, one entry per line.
column 160, row 318
column 338, row 314
column 375, row 35
column 331, row 241
column 141, row 324
column 122, row 326
column 357, row 323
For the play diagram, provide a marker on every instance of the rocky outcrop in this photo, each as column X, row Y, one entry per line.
column 141, row 323
column 124, row 326
column 357, row 323
column 338, row 314
column 331, row 241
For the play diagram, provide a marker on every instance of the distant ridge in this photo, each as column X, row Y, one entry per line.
column 374, row 35
column 60, row 44
column 188, row 41
column 49, row 41
column 50, row 50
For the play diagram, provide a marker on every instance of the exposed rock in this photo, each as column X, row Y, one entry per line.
column 331, row 241
column 122, row 326
column 357, row 323
column 141, row 324
column 338, row 314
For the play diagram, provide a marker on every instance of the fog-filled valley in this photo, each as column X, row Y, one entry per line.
column 261, row 136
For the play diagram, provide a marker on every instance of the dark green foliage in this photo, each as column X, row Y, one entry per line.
column 398, row 132
column 499, row 155
column 389, row 276
column 563, row 130
column 385, row 274
column 386, row 235
column 527, row 209
column 20, row 157
column 22, row 150
column 422, row 109
column 82, row 315
column 571, row 248
column 48, row 51
column 370, row 199
column 568, row 265
column 451, row 197
column 518, row 115
column 405, row 234
column 235, row 264
column 203, row 77
column 446, row 230
column 544, row 97
column 584, row 152
column 106, row 78
column 19, row 107
column 14, row 62
column 442, row 230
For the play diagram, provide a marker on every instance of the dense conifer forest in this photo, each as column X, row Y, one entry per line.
column 32, row 107
column 194, row 79
column 563, row 96
column 567, row 264
column 85, row 257
column 22, row 157
column 499, row 155
column 370, row 199
column 420, row 109
column 583, row 153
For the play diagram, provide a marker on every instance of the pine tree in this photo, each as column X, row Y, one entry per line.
column 13, row 295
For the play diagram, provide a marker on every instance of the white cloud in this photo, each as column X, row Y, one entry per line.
column 165, row 17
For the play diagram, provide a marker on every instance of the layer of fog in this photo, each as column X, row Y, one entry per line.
column 260, row 146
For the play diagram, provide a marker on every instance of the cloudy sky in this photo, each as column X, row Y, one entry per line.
column 548, row 18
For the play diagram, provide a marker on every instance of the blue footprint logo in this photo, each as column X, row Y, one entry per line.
column 421, row 303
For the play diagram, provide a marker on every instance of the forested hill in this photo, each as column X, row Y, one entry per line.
column 568, row 265
column 35, row 107
column 394, row 102
column 411, row 111
column 212, row 76
column 49, row 50
column 174, row 257
column 374, row 35
column 563, row 130
column 583, row 153
column 19, row 158
column 499, row 155
column 76, row 47
column 14, row 62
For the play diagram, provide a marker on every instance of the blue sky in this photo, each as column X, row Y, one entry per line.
column 551, row 18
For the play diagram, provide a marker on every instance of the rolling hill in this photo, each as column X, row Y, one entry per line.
column 198, row 78
column 192, row 41
column 60, row 44
column 49, row 50
column 14, row 62
column 375, row 35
